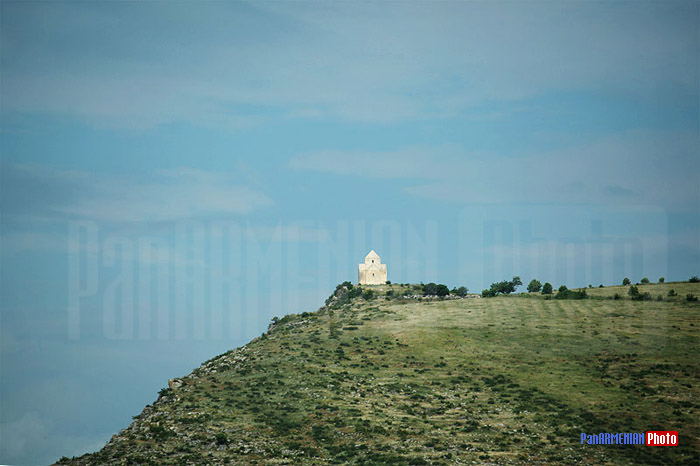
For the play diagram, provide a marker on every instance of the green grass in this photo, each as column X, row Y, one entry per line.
column 504, row 380
column 654, row 289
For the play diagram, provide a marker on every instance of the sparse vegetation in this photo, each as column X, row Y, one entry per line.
column 506, row 380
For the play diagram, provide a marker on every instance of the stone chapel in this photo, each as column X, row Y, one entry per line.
column 372, row 272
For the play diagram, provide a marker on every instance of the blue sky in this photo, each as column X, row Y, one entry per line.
column 176, row 174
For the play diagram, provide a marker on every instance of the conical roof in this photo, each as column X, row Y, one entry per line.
column 372, row 255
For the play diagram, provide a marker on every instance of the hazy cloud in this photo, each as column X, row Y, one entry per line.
column 407, row 162
column 233, row 65
column 36, row 192
column 657, row 168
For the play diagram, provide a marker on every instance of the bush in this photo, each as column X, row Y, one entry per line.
column 390, row 293
column 534, row 286
column 159, row 432
column 571, row 294
column 626, row 281
column 617, row 296
column 645, row 281
column 563, row 289
column 221, row 439
column 672, row 293
column 343, row 292
column 429, row 289
column 694, row 279
column 442, row 291
column 633, row 291
column 487, row 294
column 635, row 295
column 662, row 279
column 547, row 288
column 461, row 291
column 388, row 282
column 368, row 295
column 690, row 297
column 601, row 286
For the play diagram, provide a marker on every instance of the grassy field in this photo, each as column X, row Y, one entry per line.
column 507, row 380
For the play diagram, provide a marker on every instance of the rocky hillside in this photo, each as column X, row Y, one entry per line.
column 387, row 378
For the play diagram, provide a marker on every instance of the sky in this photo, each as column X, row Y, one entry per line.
column 175, row 174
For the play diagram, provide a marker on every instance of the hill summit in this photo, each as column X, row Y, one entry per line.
column 382, row 376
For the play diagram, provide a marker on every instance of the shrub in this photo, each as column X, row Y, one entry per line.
column 534, row 286
column 221, row 439
column 626, row 281
column 662, row 279
column 388, row 282
column 563, row 289
column 390, row 293
column 341, row 293
column 635, row 295
column 160, row 433
column 694, row 279
column 571, row 294
column 461, row 291
column 659, row 298
column 368, row 295
column 487, row 294
column 547, row 288
column 690, row 297
column 429, row 289
column 633, row 291
column 617, row 296
column 442, row 291
column 645, row 281
column 601, row 286
column 672, row 293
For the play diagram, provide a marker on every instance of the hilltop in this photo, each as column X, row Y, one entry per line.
column 377, row 378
